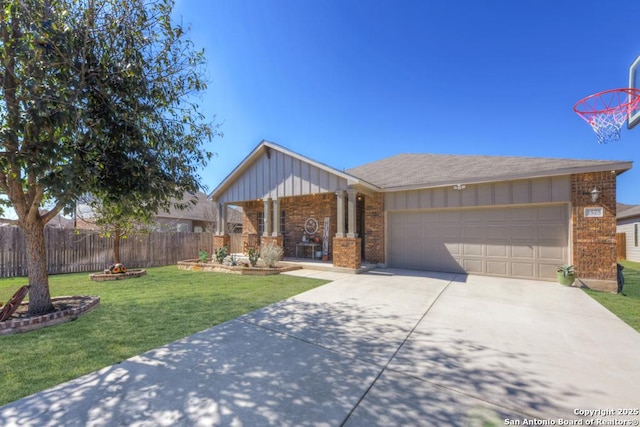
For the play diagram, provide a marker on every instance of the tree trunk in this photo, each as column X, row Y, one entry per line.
column 39, row 296
column 116, row 245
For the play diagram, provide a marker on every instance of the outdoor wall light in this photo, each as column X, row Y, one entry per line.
column 595, row 194
column 459, row 187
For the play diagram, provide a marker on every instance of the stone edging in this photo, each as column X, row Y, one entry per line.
column 130, row 274
column 14, row 325
column 194, row 265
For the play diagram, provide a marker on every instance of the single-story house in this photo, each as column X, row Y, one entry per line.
column 493, row 215
column 628, row 220
column 198, row 216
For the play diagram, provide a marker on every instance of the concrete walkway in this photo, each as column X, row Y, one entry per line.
column 388, row 347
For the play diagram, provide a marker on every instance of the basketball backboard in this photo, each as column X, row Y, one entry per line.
column 634, row 83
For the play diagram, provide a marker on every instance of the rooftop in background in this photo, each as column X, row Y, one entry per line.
column 628, row 212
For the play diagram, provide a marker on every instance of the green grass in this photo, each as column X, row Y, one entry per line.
column 134, row 316
column 626, row 305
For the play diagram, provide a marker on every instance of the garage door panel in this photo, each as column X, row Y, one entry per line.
column 472, row 249
column 523, row 231
column 473, row 266
column 494, row 250
column 555, row 232
column 547, row 270
column 518, row 241
column 551, row 213
column 450, row 232
column 430, row 231
column 453, row 248
column 495, row 232
column 521, row 269
column 497, row 268
column 523, row 215
column 472, row 216
column 494, row 215
column 522, row 251
column 552, row 254
column 470, row 232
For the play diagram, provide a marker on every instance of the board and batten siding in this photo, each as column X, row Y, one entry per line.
column 280, row 175
column 627, row 226
column 539, row 190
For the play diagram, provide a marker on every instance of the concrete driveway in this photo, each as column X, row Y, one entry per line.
column 390, row 347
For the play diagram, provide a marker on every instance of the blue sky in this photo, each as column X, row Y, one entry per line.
column 349, row 82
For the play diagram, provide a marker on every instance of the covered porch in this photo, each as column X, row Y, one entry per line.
column 313, row 212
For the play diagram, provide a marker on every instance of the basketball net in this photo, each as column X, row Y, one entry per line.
column 607, row 111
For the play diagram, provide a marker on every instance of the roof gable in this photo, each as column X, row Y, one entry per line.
column 272, row 171
column 411, row 171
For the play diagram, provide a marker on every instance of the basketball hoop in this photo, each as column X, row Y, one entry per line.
column 607, row 111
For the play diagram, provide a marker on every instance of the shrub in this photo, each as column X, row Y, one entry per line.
column 271, row 254
column 253, row 256
column 203, row 255
column 221, row 254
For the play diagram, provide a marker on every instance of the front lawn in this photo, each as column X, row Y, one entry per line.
column 626, row 306
column 134, row 316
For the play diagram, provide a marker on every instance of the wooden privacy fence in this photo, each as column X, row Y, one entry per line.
column 622, row 246
column 71, row 251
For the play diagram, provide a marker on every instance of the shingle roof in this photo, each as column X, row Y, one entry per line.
column 415, row 170
column 629, row 213
column 201, row 211
column 620, row 207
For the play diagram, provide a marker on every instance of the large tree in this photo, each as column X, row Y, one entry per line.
column 97, row 97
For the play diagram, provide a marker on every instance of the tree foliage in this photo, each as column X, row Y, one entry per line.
column 97, row 97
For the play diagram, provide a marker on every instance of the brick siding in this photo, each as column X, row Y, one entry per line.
column 296, row 210
column 320, row 206
column 374, row 228
column 594, row 239
column 347, row 252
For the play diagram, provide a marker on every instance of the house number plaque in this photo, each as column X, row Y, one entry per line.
column 593, row 212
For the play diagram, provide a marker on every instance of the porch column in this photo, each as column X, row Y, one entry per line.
column 221, row 219
column 340, row 213
column 267, row 217
column 351, row 213
column 221, row 238
column 276, row 217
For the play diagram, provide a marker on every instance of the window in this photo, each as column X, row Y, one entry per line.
column 635, row 235
column 260, row 223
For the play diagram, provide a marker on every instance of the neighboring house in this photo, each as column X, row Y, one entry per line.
column 198, row 217
column 628, row 222
column 58, row 221
column 493, row 215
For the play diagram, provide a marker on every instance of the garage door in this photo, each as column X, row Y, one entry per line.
column 527, row 242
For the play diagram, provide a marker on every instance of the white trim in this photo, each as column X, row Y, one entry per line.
column 634, row 117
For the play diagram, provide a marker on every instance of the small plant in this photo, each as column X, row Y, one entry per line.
column 567, row 270
column 271, row 254
column 221, row 254
column 253, row 256
column 234, row 260
column 566, row 275
column 203, row 255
